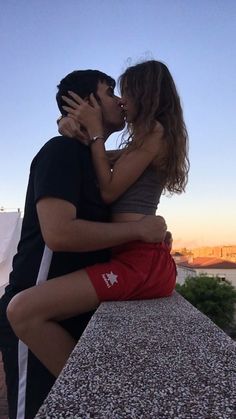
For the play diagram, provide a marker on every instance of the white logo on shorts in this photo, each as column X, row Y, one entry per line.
column 110, row 279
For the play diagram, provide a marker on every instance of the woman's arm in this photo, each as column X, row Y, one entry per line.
column 113, row 156
column 129, row 166
column 126, row 170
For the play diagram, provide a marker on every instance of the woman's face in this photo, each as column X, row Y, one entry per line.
column 128, row 106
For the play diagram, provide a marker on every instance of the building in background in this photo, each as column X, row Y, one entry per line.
column 221, row 252
column 10, row 229
column 210, row 266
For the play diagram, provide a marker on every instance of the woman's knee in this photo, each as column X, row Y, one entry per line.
column 18, row 314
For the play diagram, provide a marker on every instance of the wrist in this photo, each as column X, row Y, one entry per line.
column 135, row 231
column 95, row 131
column 96, row 138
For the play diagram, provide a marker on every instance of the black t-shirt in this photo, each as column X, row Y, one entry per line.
column 62, row 169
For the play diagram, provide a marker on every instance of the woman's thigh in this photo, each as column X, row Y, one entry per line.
column 59, row 298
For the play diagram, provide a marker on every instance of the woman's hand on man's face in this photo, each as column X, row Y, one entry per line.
column 89, row 115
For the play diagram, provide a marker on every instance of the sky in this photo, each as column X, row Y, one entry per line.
column 42, row 41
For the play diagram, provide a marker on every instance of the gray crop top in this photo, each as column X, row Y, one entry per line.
column 143, row 196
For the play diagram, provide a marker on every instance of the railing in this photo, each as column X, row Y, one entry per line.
column 147, row 359
column 3, row 209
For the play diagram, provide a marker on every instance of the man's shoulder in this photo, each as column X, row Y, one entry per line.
column 61, row 141
column 62, row 144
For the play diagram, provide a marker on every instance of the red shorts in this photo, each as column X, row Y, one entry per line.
column 136, row 270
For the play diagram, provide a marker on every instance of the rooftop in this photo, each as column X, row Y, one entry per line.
column 208, row 262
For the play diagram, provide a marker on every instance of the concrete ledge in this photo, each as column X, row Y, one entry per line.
column 147, row 359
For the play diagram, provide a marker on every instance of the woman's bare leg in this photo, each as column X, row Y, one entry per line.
column 35, row 312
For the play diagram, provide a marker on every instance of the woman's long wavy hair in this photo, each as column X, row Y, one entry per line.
column 153, row 92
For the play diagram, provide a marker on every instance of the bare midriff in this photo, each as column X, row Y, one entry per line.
column 124, row 217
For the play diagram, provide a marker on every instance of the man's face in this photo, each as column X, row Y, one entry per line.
column 113, row 115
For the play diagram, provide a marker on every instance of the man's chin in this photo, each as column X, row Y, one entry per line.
column 117, row 128
column 121, row 125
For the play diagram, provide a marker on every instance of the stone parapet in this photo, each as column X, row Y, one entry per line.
column 157, row 358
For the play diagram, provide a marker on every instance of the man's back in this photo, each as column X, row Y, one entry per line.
column 62, row 169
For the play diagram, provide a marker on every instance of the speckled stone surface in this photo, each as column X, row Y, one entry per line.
column 147, row 359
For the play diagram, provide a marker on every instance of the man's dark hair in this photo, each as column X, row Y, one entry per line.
column 82, row 82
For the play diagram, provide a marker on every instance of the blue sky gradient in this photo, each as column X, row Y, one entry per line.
column 42, row 41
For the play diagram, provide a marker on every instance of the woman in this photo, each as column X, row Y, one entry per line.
column 154, row 158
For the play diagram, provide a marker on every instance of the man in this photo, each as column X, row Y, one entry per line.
column 64, row 229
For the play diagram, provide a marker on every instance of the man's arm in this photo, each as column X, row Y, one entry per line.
column 63, row 232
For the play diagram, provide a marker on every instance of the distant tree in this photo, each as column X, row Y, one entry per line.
column 213, row 297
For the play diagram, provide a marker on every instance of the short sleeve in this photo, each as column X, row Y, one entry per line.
column 57, row 170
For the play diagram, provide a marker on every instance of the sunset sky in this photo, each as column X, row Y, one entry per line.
column 42, row 41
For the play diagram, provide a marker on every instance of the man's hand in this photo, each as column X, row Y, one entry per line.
column 152, row 228
column 68, row 127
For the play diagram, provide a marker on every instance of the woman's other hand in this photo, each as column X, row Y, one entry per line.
column 69, row 127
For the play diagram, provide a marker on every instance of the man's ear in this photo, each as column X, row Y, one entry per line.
column 86, row 99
